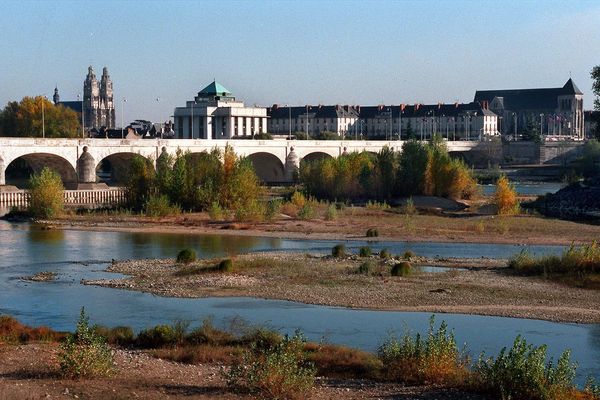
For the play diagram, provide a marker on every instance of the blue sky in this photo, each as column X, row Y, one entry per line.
column 298, row 52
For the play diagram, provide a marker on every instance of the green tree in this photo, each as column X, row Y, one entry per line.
column 596, row 90
column 411, row 168
column 37, row 116
column 589, row 163
column 46, row 194
column 532, row 131
column 141, row 182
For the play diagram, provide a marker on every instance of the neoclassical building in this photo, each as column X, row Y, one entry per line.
column 216, row 114
column 97, row 106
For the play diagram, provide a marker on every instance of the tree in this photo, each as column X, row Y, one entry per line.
column 37, row 116
column 532, row 131
column 596, row 90
column 506, row 197
column 412, row 166
column 46, row 194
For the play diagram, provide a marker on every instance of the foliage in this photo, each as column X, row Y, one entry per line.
column 47, row 194
column 402, row 268
column 12, row 331
column 408, row 255
column 385, row 253
column 417, row 360
column 588, row 164
column 339, row 251
column 252, row 210
column 409, row 207
column 273, row 209
column 24, row 119
column 160, row 206
column 215, row 211
column 331, row 213
column 85, row 353
column 140, row 183
column 595, row 75
column 372, row 232
column 278, row 372
column 119, row 335
column 162, row 336
column 522, row 373
column 411, row 168
column 186, row 256
column 306, row 212
column 226, row 265
column 505, row 197
column 366, row 267
column 365, row 251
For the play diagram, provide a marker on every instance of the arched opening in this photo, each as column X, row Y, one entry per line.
column 268, row 167
column 317, row 155
column 113, row 170
column 20, row 169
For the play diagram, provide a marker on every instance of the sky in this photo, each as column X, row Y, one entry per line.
column 159, row 54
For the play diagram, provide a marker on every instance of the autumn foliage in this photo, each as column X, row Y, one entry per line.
column 505, row 197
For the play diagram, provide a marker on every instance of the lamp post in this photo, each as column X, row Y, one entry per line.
column 43, row 121
column 122, row 112
column 400, row 123
column 289, row 122
column 192, row 119
column 82, row 117
column 541, row 125
column 306, row 121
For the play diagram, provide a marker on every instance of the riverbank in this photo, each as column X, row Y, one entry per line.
column 469, row 286
column 352, row 223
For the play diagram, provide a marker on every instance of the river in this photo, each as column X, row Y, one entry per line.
column 74, row 255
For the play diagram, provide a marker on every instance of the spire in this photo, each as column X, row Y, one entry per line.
column 56, row 97
column 571, row 88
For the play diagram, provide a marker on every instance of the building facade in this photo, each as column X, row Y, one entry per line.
column 549, row 111
column 216, row 114
column 97, row 105
column 314, row 120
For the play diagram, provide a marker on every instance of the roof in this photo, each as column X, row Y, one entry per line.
column 320, row 111
column 73, row 105
column 520, row 99
column 214, row 89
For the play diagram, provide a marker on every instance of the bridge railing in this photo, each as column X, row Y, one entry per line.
column 104, row 197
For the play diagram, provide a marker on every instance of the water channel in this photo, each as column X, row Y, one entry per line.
column 26, row 249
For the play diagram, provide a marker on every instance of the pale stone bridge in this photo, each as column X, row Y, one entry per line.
column 79, row 161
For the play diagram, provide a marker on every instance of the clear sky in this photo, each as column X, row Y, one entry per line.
column 297, row 52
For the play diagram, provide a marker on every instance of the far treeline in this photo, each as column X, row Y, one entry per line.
column 419, row 169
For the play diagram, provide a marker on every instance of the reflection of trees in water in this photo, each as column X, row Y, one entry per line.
column 39, row 235
column 594, row 337
column 207, row 245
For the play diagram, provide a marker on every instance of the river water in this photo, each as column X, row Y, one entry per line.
column 76, row 255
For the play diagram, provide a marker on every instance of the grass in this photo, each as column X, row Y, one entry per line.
column 578, row 265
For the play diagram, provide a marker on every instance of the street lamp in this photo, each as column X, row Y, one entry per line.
column 122, row 112
column 82, row 117
column 192, row 118
column 289, row 122
column 43, row 121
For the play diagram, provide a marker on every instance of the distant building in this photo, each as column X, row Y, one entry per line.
column 216, row 114
column 97, row 106
column 556, row 111
column 337, row 119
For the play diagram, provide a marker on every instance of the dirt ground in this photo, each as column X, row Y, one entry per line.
column 31, row 372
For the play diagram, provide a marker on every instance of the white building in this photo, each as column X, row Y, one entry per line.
column 284, row 120
column 216, row 114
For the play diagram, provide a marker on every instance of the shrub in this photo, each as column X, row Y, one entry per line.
column 339, row 251
column 365, row 251
column 208, row 334
column 162, row 336
column 306, row 212
column 409, row 207
column 374, row 205
column 261, row 337
column 278, row 372
column 384, row 253
column 298, row 199
column 215, row 211
column 331, row 213
column 251, row 211
column 366, row 268
column 273, row 209
column 12, row 331
column 414, row 360
column 186, row 256
column 408, row 255
column 225, row 265
column 505, row 197
column 372, row 232
column 119, row 335
column 522, row 373
column 159, row 206
column 85, row 353
column 401, row 269
column 46, row 194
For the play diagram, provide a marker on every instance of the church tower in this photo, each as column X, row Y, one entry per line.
column 107, row 106
column 91, row 99
column 56, row 97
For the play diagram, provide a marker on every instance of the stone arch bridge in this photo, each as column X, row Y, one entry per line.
column 80, row 160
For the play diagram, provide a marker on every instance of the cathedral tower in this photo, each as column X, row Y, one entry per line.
column 91, row 99
column 107, row 106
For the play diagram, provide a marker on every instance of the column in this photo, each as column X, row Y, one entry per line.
column 248, row 126
column 231, row 127
column 264, row 125
column 240, row 126
column 2, row 172
column 208, row 127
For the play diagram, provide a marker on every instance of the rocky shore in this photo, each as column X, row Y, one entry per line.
column 471, row 286
column 579, row 201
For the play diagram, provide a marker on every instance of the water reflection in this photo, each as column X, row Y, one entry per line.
column 38, row 234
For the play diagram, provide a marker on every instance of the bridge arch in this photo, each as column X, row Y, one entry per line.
column 19, row 169
column 114, row 168
column 268, row 167
column 316, row 155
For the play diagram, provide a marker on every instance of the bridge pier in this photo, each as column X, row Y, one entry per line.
column 292, row 165
column 86, row 167
column 2, row 172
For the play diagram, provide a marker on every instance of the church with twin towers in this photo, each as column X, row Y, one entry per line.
column 97, row 107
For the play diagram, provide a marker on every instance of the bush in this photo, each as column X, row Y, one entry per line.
column 85, row 353
column 372, row 232
column 409, row 207
column 298, row 199
column 505, row 197
column 278, row 372
column 331, row 213
column 273, row 209
column 46, row 194
column 215, row 211
column 366, row 268
column 306, row 212
column 401, row 269
column 408, row 255
column 365, row 251
column 251, row 211
column 225, row 265
column 384, row 253
column 339, row 251
column 208, row 334
column 162, row 336
column 120, row 335
column 12, row 331
column 414, row 360
column 522, row 373
column 159, row 206
column 186, row 256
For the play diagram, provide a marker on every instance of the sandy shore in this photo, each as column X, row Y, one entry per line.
column 470, row 286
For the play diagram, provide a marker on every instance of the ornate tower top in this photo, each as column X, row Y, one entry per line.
column 56, row 97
